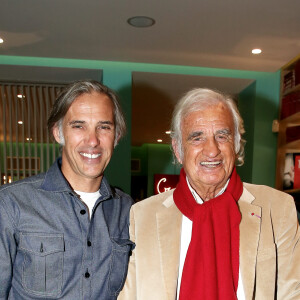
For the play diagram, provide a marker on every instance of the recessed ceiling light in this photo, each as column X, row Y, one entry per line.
column 28, row 139
column 159, row 140
column 1, row 41
column 20, row 96
column 141, row 21
column 256, row 51
column 20, row 122
column 168, row 132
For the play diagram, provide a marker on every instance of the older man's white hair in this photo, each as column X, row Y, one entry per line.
column 199, row 99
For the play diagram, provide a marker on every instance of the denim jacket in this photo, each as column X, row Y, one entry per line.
column 51, row 249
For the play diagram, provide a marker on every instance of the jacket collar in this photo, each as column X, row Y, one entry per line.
column 55, row 181
column 168, row 222
column 250, row 228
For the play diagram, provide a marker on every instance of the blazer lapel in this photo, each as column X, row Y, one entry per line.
column 249, row 238
column 168, row 221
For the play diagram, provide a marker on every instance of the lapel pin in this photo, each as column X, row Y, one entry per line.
column 253, row 214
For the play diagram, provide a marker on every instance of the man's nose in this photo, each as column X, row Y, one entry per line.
column 93, row 139
column 211, row 147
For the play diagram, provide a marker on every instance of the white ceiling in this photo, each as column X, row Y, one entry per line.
column 207, row 33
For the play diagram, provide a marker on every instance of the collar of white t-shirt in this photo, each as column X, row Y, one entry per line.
column 89, row 199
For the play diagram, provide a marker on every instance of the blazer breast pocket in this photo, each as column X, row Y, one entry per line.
column 42, row 269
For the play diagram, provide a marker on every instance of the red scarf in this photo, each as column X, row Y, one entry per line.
column 211, row 267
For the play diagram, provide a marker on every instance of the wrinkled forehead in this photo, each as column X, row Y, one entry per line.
column 214, row 106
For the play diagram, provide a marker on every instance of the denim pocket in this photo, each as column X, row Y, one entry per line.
column 119, row 264
column 42, row 273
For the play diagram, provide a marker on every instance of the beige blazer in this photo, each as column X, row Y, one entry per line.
column 269, row 247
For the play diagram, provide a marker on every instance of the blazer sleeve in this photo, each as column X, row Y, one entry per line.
column 288, row 253
column 129, row 290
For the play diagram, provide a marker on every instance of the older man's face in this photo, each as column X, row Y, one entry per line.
column 208, row 147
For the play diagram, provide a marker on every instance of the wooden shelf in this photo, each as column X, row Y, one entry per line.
column 292, row 90
column 292, row 147
column 291, row 121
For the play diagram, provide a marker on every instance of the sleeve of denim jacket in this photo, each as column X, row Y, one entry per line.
column 288, row 251
column 129, row 290
column 7, row 251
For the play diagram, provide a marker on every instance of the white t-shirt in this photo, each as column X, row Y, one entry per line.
column 89, row 199
column 186, row 233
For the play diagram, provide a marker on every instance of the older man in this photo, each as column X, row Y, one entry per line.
column 64, row 234
column 213, row 237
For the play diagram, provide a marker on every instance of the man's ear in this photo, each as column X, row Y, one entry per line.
column 176, row 151
column 55, row 132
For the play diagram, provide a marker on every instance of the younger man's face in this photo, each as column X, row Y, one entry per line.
column 89, row 133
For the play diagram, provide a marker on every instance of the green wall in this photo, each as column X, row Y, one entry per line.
column 118, row 170
column 265, row 141
column 246, row 104
column 118, row 75
column 258, row 105
column 140, row 153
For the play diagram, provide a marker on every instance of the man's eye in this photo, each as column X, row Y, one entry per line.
column 222, row 138
column 198, row 139
column 77, row 126
column 105, row 127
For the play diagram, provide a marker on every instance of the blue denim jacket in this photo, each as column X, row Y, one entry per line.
column 50, row 249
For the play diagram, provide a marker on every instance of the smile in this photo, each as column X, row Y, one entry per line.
column 88, row 155
column 210, row 164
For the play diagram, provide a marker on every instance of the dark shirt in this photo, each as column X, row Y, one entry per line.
column 49, row 248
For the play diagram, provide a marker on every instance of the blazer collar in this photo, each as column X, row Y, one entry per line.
column 249, row 238
column 168, row 222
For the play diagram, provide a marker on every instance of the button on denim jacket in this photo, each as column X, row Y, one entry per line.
column 49, row 248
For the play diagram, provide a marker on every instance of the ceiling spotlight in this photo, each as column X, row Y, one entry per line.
column 256, row 51
column 141, row 21
column 20, row 122
column 20, row 96
column 1, row 41
column 28, row 139
column 168, row 132
column 159, row 140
